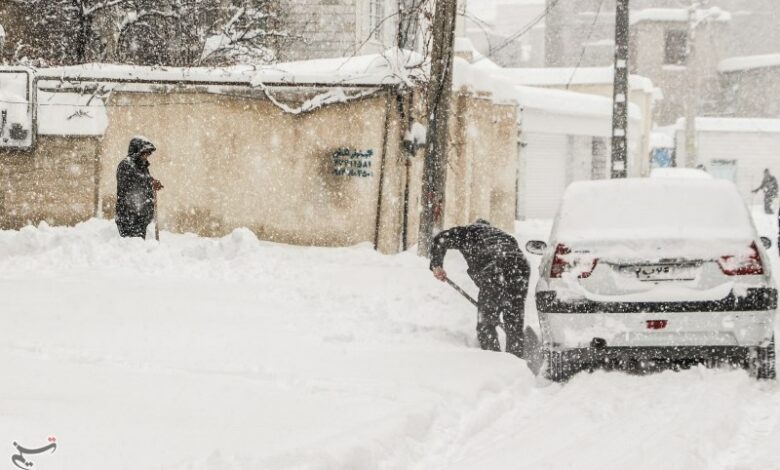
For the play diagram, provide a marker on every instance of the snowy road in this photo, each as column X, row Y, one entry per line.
column 233, row 353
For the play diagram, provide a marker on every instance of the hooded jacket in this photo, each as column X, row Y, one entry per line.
column 134, row 192
column 489, row 252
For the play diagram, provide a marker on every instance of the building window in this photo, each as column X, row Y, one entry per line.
column 376, row 15
column 675, row 47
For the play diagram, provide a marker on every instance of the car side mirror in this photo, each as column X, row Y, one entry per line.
column 766, row 242
column 536, row 247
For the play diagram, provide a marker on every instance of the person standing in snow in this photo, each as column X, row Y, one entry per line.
column 769, row 185
column 135, row 189
column 499, row 269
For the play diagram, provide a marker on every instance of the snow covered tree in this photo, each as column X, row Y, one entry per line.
column 153, row 32
column 63, row 31
column 251, row 31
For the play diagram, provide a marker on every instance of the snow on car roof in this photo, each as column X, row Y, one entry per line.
column 653, row 208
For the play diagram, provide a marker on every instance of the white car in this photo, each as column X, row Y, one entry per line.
column 654, row 271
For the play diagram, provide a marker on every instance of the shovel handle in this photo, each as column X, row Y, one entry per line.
column 461, row 291
column 156, row 223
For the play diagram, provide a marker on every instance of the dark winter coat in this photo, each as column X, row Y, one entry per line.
column 489, row 252
column 769, row 185
column 134, row 192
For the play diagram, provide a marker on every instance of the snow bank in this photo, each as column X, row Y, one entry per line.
column 739, row 64
column 230, row 352
column 206, row 354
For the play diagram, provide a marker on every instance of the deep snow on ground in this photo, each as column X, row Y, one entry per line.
column 209, row 354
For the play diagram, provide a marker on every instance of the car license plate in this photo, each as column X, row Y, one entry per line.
column 664, row 272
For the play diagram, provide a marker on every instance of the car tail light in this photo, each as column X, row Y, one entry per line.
column 743, row 265
column 563, row 261
column 656, row 324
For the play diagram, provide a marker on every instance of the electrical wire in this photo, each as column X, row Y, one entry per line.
column 525, row 29
column 587, row 39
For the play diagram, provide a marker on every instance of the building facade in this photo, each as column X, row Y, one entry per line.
column 746, row 82
column 580, row 32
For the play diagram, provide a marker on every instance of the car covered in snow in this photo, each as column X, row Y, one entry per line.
column 654, row 271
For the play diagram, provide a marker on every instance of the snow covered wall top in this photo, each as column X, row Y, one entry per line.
column 392, row 67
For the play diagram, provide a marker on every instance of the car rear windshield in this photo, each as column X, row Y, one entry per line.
column 653, row 209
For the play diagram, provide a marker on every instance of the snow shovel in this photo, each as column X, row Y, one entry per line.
column 156, row 220
column 461, row 291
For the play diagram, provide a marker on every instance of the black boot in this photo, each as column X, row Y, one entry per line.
column 515, row 343
column 488, row 337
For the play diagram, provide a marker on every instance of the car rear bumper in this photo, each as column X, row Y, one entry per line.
column 756, row 299
column 676, row 353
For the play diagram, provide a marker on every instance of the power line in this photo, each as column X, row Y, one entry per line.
column 525, row 29
column 587, row 39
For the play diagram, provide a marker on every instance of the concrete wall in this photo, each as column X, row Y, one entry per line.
column 54, row 183
column 482, row 166
column 230, row 161
column 745, row 93
column 757, row 151
column 482, row 171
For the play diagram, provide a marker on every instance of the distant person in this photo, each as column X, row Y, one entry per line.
column 499, row 269
column 135, row 189
column 769, row 185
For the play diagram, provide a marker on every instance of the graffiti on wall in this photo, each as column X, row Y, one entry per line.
column 356, row 163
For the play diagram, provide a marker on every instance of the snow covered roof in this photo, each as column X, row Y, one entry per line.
column 708, row 124
column 737, row 64
column 569, row 102
column 71, row 114
column 660, row 140
column 678, row 15
column 560, row 76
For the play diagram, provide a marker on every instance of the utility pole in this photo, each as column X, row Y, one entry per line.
column 620, row 94
column 439, row 95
